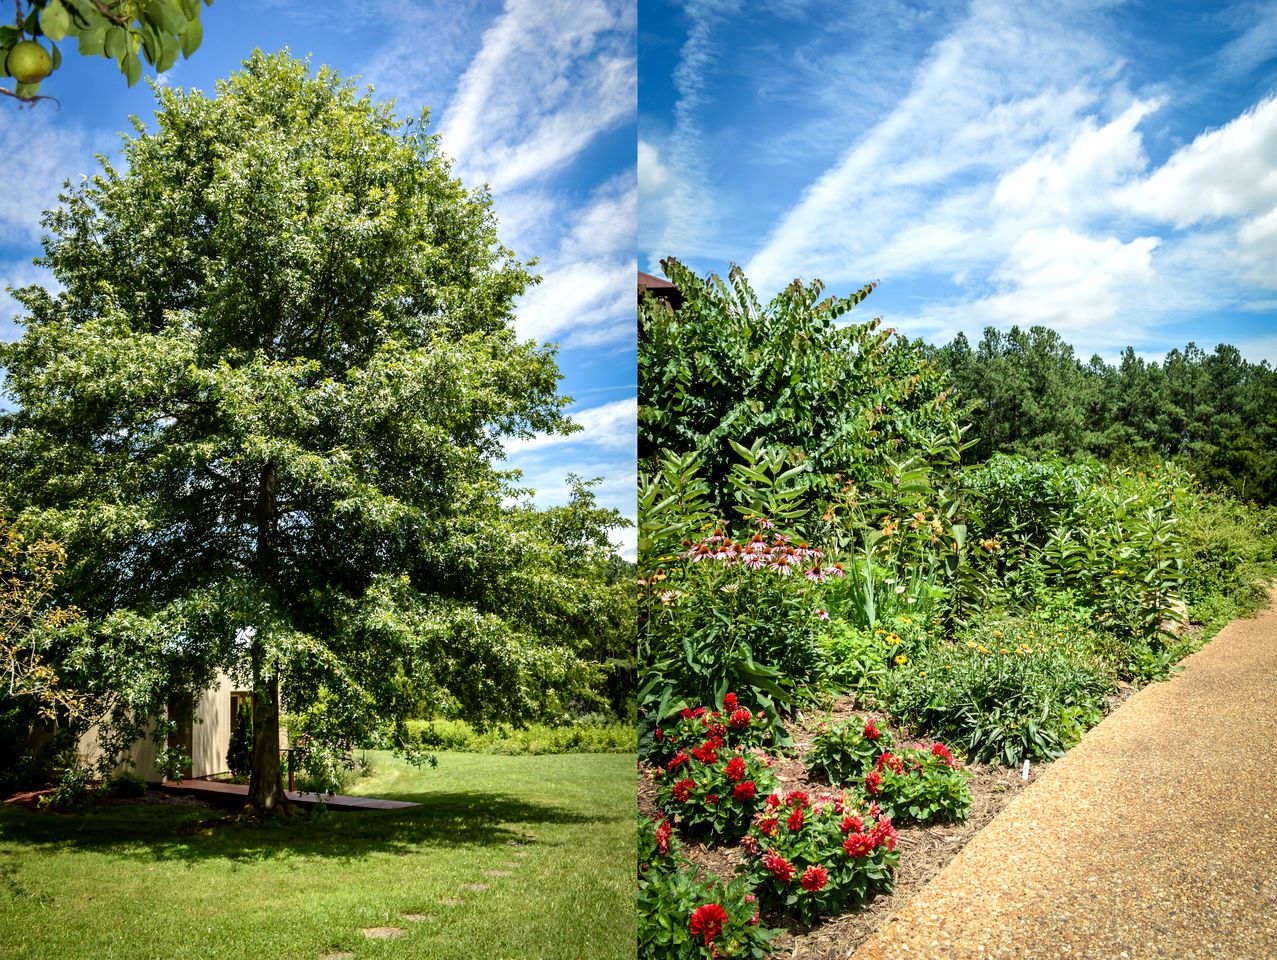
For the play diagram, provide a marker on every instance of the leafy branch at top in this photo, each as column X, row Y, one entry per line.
column 126, row 31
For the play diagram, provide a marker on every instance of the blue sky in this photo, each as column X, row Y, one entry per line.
column 535, row 97
column 1106, row 169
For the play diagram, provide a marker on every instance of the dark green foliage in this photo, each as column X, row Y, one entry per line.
column 1214, row 412
column 846, row 751
column 263, row 410
column 841, row 399
column 126, row 785
column 239, row 754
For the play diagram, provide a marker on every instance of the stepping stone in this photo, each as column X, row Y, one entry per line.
column 449, row 901
column 497, row 873
column 338, row 956
column 474, row 886
column 418, row 917
column 383, row 933
column 509, row 863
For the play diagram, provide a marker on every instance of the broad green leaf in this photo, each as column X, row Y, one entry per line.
column 54, row 20
column 116, row 43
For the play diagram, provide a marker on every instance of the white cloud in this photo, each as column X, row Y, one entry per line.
column 56, row 150
column 551, row 76
column 681, row 216
column 609, row 426
column 586, row 297
column 1226, row 173
column 1088, row 289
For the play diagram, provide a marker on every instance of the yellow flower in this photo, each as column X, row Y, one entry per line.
column 983, row 649
column 901, row 660
column 903, row 619
column 893, row 638
column 922, row 673
column 971, row 644
column 997, row 634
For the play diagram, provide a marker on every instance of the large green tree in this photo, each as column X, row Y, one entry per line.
column 263, row 408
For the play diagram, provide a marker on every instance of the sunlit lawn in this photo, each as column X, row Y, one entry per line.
column 168, row 881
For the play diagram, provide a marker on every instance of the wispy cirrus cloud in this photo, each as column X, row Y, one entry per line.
column 586, row 297
column 549, row 78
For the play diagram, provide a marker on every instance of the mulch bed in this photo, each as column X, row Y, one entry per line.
column 30, row 799
column 924, row 851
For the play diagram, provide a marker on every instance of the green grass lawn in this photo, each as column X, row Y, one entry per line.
column 156, row 881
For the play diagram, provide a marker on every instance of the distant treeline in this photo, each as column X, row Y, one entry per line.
column 1214, row 412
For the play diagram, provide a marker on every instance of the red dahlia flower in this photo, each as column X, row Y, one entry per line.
column 852, row 825
column 941, row 751
column 735, row 769
column 740, row 719
column 707, row 921
column 773, row 801
column 795, row 821
column 744, row 790
column 780, row 868
column 873, row 781
column 796, row 798
column 768, row 826
column 729, row 702
column 814, row 878
column 682, row 789
column 859, row 844
column 706, row 752
column 871, row 732
column 663, row 834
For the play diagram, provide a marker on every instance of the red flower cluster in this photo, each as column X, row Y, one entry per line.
column 814, row 878
column 744, row 790
column 941, row 751
column 883, row 834
column 871, row 732
column 707, row 752
column 663, row 834
column 768, row 826
column 852, row 825
column 795, row 821
column 890, row 761
column 735, row 769
column 682, row 789
column 780, row 868
column 729, row 702
column 707, row 921
column 796, row 798
column 740, row 718
column 873, row 781
column 780, row 556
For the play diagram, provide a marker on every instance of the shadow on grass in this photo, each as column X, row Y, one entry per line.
column 179, row 832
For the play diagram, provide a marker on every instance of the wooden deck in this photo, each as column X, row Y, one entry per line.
column 229, row 794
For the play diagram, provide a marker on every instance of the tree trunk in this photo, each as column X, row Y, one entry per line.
column 265, row 787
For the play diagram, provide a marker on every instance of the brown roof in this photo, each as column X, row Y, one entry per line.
column 661, row 288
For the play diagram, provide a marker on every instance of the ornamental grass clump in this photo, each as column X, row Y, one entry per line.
column 920, row 786
column 811, row 859
column 846, row 751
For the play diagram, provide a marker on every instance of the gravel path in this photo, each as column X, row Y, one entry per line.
column 1155, row 837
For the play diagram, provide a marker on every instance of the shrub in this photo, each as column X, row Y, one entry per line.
column 239, row 753
column 808, row 860
column 733, row 615
column 920, row 786
column 1002, row 703
column 711, row 790
column 126, row 784
column 846, row 751
column 683, row 918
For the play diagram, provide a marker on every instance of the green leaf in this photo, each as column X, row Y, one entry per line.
column 192, row 37
column 132, row 68
column 54, row 20
column 116, row 43
column 168, row 53
column 57, row 56
column 92, row 41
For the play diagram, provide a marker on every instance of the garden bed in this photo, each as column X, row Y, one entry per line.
column 924, row 851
